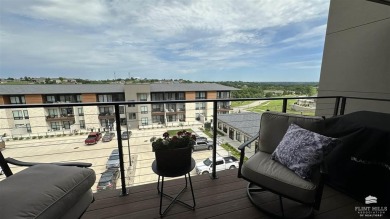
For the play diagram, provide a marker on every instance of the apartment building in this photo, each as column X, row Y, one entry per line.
column 55, row 117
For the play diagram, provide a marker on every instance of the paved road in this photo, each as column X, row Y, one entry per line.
column 72, row 148
column 245, row 107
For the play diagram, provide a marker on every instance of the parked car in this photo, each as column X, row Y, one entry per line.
column 93, row 138
column 113, row 159
column 202, row 144
column 125, row 135
column 108, row 180
column 108, row 136
column 223, row 163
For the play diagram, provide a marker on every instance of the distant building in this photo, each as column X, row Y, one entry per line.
column 55, row 118
column 239, row 126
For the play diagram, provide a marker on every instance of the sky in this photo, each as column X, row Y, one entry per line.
column 210, row 40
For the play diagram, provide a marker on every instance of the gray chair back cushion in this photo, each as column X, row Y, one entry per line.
column 273, row 127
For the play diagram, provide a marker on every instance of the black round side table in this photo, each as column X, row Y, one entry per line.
column 174, row 173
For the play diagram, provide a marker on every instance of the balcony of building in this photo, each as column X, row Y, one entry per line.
column 59, row 114
column 217, row 196
column 224, row 107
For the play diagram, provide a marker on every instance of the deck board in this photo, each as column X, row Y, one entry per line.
column 224, row 197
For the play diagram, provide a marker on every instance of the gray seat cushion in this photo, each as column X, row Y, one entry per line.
column 44, row 191
column 264, row 171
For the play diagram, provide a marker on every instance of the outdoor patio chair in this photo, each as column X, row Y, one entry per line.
column 279, row 188
column 56, row 190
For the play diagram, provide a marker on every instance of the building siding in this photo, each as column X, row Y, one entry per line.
column 356, row 56
column 190, row 95
column 40, row 126
column 88, row 98
column 33, row 98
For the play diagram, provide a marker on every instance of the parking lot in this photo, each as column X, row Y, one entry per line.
column 72, row 148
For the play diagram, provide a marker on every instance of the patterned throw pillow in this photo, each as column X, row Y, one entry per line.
column 302, row 150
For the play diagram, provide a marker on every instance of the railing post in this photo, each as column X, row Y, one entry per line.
column 214, row 174
column 343, row 102
column 284, row 109
column 120, row 150
column 336, row 106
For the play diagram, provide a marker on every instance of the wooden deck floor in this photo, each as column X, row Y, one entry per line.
column 224, row 197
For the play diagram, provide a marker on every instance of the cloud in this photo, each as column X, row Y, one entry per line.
column 182, row 37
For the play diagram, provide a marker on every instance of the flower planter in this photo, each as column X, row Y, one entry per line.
column 173, row 161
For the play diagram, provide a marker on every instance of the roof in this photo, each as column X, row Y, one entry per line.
column 189, row 87
column 247, row 122
column 60, row 89
column 104, row 88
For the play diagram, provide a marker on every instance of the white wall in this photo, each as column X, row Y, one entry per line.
column 356, row 59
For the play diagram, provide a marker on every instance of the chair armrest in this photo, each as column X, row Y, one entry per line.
column 27, row 164
column 242, row 153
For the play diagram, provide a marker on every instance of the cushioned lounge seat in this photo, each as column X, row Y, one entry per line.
column 56, row 190
column 47, row 191
column 266, row 175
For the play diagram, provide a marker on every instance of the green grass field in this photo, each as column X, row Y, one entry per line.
column 277, row 105
column 240, row 103
column 174, row 132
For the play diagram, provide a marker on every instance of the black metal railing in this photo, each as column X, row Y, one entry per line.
column 338, row 107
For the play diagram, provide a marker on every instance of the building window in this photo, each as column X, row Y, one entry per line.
column 106, row 123
column 104, row 111
column 171, row 107
column 144, row 121
column 224, row 128
column 144, row 109
column 238, row 136
column 80, row 111
column 158, row 119
column 131, row 105
column 66, row 124
column 200, row 95
column 66, row 111
column 18, row 115
column 50, row 99
column 67, row 98
column 78, row 98
column 132, row 116
column 55, row 126
column 223, row 94
column 180, row 96
column 28, row 126
column 121, row 110
column 17, row 100
column 143, row 97
column 171, row 118
column 157, row 107
column 26, row 116
column 157, row 96
column 170, row 96
column 219, row 125
column 104, row 98
column 123, row 121
column 82, row 124
column 223, row 105
column 200, row 106
column 181, row 117
column 53, row 113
